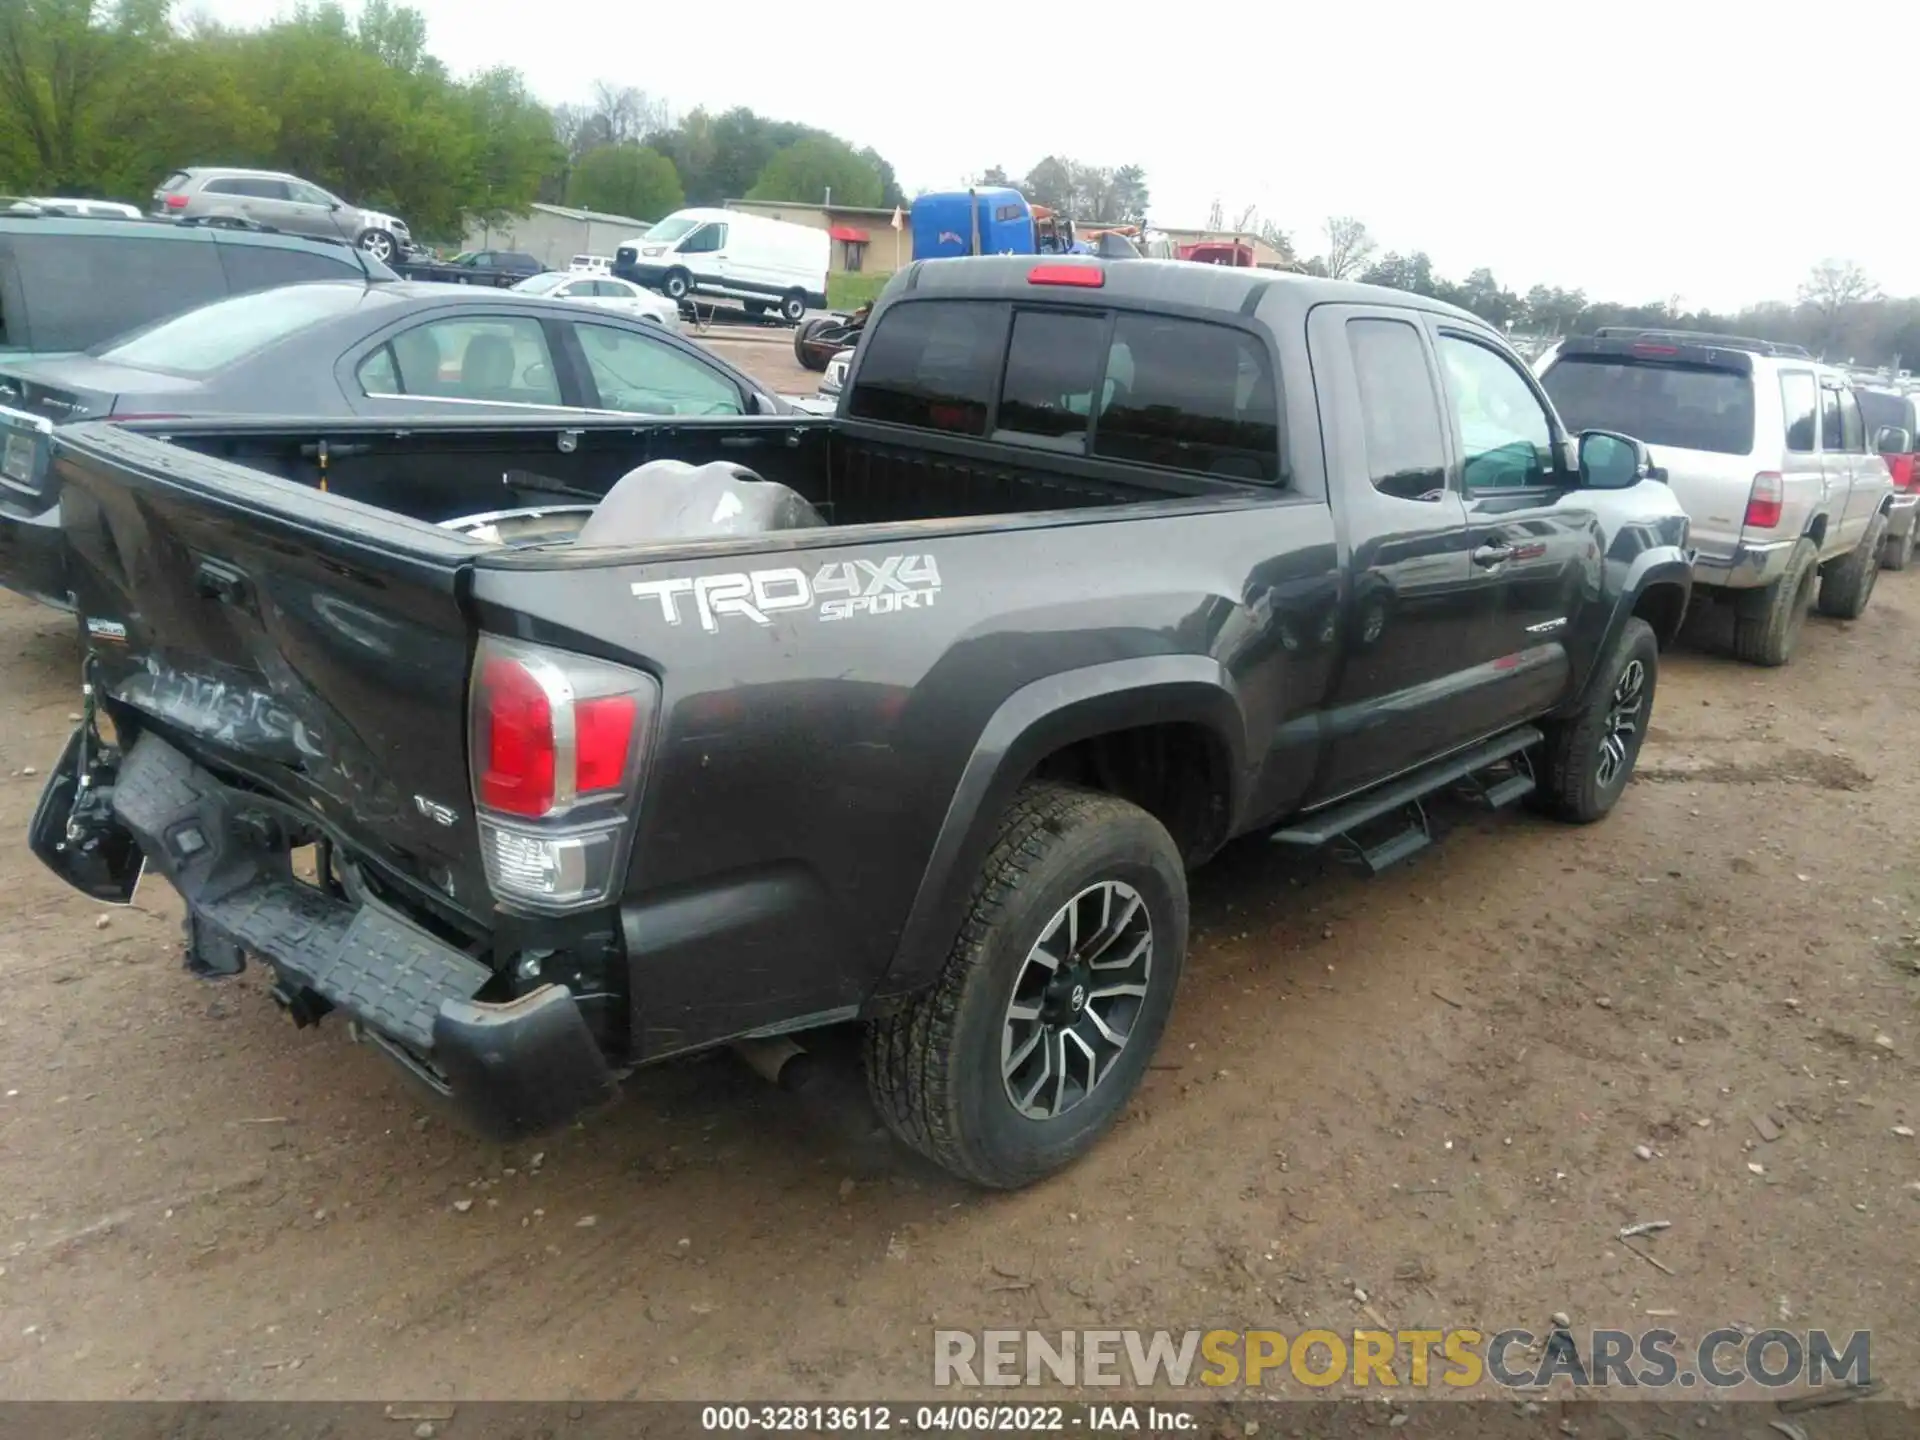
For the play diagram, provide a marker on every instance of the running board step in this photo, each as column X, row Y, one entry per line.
column 1327, row 826
column 1503, row 793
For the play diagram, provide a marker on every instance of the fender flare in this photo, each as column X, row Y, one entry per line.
column 1030, row 724
column 1664, row 565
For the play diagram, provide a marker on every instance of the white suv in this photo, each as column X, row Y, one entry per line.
column 1767, row 450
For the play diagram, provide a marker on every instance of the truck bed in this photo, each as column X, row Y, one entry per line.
column 438, row 471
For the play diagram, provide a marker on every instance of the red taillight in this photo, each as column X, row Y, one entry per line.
column 1091, row 277
column 176, row 202
column 1764, row 501
column 515, row 750
column 558, row 743
column 1906, row 473
column 602, row 738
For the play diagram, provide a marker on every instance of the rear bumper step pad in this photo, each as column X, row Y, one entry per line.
column 513, row 1069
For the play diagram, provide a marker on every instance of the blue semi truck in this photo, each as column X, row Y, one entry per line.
column 949, row 224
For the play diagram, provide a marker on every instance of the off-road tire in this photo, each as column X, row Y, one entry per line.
column 1768, row 623
column 807, row 330
column 1897, row 552
column 1848, row 584
column 933, row 1066
column 1567, row 765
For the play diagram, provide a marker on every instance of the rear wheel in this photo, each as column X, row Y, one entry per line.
column 803, row 350
column 1847, row 586
column 1045, row 1015
column 380, row 245
column 1769, row 621
column 756, row 308
column 793, row 307
column 1588, row 759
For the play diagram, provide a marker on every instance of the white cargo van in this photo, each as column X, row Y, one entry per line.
column 764, row 264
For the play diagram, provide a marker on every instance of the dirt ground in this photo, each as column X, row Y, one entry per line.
column 1429, row 1086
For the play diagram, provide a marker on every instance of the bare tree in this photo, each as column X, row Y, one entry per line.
column 1349, row 247
column 1832, row 289
column 1836, row 284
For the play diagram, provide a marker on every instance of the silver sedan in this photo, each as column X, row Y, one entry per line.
column 605, row 291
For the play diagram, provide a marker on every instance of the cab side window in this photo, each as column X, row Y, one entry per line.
column 1406, row 449
column 1506, row 439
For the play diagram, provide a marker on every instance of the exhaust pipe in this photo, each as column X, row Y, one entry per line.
column 778, row 1061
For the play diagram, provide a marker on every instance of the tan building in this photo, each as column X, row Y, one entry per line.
column 864, row 241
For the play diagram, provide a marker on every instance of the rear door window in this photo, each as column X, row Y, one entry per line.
column 932, row 364
column 84, row 289
column 1406, row 454
column 1690, row 407
column 502, row 359
column 1189, row 395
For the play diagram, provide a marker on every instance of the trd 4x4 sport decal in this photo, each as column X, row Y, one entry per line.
column 838, row 590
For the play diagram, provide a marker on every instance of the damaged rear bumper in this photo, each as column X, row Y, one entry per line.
column 510, row 1069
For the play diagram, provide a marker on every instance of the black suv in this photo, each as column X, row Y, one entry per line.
column 68, row 283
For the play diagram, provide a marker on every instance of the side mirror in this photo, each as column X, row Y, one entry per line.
column 1892, row 440
column 1610, row 461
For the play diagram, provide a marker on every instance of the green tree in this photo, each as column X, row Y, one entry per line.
column 625, row 180
column 814, row 167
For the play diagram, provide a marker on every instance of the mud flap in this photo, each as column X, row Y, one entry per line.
column 74, row 831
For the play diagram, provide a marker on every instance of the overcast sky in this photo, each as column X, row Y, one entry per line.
column 1713, row 151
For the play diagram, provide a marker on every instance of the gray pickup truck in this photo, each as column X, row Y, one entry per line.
column 542, row 751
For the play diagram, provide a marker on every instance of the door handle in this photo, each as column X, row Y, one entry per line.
column 1491, row 555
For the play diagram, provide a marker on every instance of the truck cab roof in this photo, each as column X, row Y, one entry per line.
column 1168, row 285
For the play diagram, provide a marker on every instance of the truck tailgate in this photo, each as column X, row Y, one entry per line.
column 312, row 645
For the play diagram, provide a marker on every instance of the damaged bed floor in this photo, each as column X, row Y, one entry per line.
column 1448, row 1087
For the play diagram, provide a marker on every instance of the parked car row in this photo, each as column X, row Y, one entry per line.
column 1800, row 486
column 621, row 735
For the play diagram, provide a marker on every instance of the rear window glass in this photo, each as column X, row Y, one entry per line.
column 1190, row 395
column 174, row 181
column 84, row 289
column 1881, row 409
column 1687, row 406
column 932, row 364
column 1053, row 368
column 216, row 335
